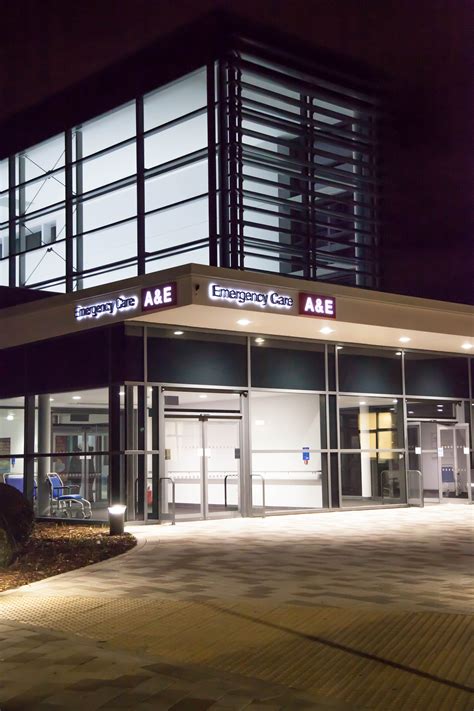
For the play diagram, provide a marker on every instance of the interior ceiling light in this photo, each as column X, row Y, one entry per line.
column 51, row 399
column 338, row 348
column 467, row 346
column 410, row 412
column 243, row 322
column 404, row 339
column 10, row 417
column 398, row 353
column 178, row 333
column 259, row 340
column 394, row 399
column 362, row 402
column 203, row 397
column 76, row 397
column 326, row 329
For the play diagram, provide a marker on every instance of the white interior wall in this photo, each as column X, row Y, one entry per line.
column 14, row 430
column 284, row 423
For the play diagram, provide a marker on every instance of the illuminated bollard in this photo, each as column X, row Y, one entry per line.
column 117, row 519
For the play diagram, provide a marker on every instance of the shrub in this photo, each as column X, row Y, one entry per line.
column 17, row 517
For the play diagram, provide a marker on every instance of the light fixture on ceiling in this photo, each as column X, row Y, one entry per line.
column 51, row 399
column 362, row 402
column 243, row 322
column 203, row 396
column 259, row 423
column 10, row 417
column 467, row 346
column 404, row 339
column 410, row 412
column 178, row 333
column 259, row 341
column 394, row 399
column 326, row 330
column 76, row 397
column 339, row 348
column 398, row 353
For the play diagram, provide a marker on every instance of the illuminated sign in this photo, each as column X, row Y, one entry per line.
column 244, row 297
column 159, row 297
column 112, row 307
column 317, row 305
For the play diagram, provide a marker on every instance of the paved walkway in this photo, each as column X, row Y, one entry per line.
column 350, row 610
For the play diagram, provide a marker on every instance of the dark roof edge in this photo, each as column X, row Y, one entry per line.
column 160, row 62
column 13, row 296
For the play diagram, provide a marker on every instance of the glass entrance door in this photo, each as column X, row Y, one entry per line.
column 453, row 463
column 202, row 465
column 441, row 454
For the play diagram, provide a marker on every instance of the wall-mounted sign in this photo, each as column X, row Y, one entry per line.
column 243, row 297
column 159, row 297
column 317, row 305
column 112, row 307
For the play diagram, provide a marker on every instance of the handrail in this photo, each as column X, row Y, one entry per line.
column 173, row 489
column 225, row 487
column 420, row 477
column 263, row 491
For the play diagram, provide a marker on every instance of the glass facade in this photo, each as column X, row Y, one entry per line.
column 220, row 425
column 245, row 163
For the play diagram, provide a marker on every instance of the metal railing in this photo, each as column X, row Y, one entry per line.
column 395, row 477
column 259, row 476
column 419, row 476
column 173, row 499
column 225, row 486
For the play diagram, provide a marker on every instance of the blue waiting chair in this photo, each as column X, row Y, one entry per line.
column 16, row 480
column 65, row 498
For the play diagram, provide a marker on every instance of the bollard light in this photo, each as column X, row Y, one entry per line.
column 116, row 519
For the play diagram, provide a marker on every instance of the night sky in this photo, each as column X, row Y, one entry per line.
column 422, row 50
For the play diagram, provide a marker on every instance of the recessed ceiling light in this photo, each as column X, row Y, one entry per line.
column 404, row 339
column 394, row 399
column 122, row 393
column 392, row 409
column 362, row 402
column 398, row 353
column 203, row 397
column 51, row 399
column 410, row 412
column 243, row 322
column 76, row 397
column 338, row 348
column 440, row 407
column 259, row 423
column 178, row 333
column 326, row 329
column 467, row 346
column 10, row 417
column 259, row 341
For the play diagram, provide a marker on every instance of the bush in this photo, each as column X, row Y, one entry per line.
column 17, row 517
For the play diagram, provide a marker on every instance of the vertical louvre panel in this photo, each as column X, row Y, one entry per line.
column 301, row 174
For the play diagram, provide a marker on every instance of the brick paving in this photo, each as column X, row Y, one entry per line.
column 365, row 609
